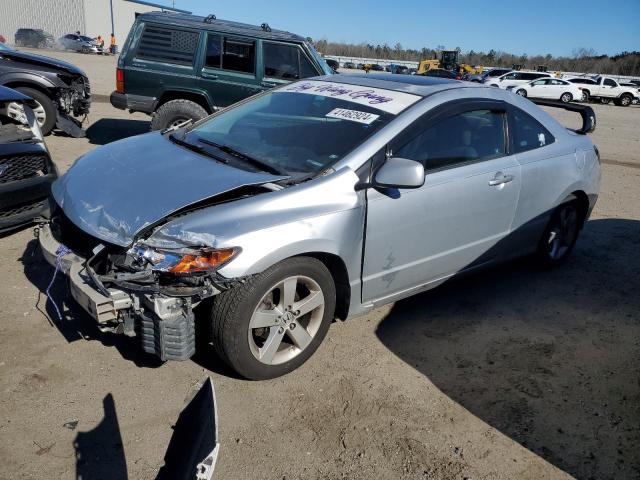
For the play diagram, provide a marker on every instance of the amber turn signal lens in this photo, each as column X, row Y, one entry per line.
column 203, row 262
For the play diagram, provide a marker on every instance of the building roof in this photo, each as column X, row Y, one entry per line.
column 156, row 5
column 223, row 26
column 416, row 84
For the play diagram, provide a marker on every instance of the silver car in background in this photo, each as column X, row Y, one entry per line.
column 79, row 43
column 319, row 200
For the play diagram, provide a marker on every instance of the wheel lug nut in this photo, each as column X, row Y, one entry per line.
column 292, row 326
column 281, row 330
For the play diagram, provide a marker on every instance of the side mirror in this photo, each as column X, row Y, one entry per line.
column 397, row 173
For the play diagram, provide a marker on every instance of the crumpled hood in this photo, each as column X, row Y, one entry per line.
column 41, row 60
column 116, row 190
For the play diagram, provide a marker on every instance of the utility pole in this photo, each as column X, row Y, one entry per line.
column 111, row 8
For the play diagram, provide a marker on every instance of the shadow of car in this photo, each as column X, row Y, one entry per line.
column 549, row 358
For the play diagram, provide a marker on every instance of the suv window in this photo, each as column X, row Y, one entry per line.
column 512, row 76
column 528, row 133
column 214, row 51
column 609, row 83
column 281, row 61
column 239, row 55
column 468, row 137
column 286, row 62
column 168, row 45
column 531, row 76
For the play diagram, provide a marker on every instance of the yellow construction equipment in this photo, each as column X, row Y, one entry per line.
column 448, row 61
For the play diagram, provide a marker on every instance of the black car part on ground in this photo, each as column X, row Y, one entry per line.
column 26, row 168
column 585, row 111
column 64, row 85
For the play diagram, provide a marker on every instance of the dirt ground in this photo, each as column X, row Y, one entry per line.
column 515, row 373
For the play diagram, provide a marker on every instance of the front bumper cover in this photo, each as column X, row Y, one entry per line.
column 165, row 325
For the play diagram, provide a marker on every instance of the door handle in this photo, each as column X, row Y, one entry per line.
column 500, row 179
column 210, row 76
column 268, row 84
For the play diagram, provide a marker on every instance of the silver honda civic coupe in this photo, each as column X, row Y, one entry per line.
column 319, row 200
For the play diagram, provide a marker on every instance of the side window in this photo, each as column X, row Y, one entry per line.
column 281, row 61
column 511, row 76
column 214, row 51
column 528, row 133
column 471, row 136
column 609, row 83
column 167, row 45
column 306, row 68
column 239, row 55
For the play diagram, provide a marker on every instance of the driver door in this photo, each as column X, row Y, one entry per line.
column 456, row 220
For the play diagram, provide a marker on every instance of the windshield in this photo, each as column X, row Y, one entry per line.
column 323, row 64
column 301, row 132
column 86, row 39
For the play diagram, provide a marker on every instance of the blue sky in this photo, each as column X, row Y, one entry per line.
column 523, row 26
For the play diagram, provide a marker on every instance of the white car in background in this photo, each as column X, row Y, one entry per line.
column 515, row 78
column 551, row 88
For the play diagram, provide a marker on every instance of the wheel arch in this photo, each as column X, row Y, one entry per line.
column 196, row 97
column 583, row 202
column 340, row 275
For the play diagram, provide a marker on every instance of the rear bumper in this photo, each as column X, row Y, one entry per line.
column 23, row 200
column 136, row 103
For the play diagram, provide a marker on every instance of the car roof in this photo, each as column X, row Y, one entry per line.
column 223, row 26
column 415, row 84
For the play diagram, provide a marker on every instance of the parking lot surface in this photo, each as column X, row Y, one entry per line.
column 512, row 373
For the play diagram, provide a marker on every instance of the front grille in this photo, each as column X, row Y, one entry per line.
column 21, row 208
column 21, row 167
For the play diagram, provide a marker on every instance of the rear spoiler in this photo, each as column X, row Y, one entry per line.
column 586, row 112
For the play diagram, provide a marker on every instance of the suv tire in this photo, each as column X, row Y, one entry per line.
column 46, row 103
column 298, row 334
column 176, row 111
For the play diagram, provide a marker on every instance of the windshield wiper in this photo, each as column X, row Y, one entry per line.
column 265, row 166
column 195, row 148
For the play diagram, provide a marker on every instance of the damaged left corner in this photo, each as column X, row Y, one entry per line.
column 72, row 100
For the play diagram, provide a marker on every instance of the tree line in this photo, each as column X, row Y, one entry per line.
column 581, row 59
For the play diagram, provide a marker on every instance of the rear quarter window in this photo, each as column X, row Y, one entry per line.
column 167, row 45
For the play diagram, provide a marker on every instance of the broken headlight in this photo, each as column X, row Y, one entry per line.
column 192, row 261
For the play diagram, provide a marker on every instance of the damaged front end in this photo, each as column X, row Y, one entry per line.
column 72, row 100
column 137, row 291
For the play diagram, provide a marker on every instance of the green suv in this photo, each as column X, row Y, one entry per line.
column 178, row 66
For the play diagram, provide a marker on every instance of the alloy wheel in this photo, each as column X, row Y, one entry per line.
column 286, row 320
column 563, row 232
column 16, row 111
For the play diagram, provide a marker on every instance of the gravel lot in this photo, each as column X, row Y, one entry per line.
column 514, row 373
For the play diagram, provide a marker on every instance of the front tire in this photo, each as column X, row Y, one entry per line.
column 522, row 92
column 561, row 234
column 605, row 101
column 566, row 97
column 585, row 95
column 272, row 323
column 175, row 112
column 625, row 100
column 45, row 110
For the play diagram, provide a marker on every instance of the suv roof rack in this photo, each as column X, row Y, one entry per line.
column 209, row 18
column 265, row 27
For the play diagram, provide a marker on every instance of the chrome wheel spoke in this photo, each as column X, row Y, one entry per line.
column 299, row 336
column 271, row 345
column 308, row 303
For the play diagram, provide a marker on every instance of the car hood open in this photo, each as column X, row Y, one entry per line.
column 115, row 191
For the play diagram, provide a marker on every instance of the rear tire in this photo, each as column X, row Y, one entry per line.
column 522, row 92
column 585, row 95
column 605, row 101
column 566, row 97
column 175, row 112
column 253, row 316
column 561, row 234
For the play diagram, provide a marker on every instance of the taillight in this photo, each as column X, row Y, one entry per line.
column 119, row 80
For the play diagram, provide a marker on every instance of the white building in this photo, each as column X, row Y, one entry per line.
column 59, row 17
